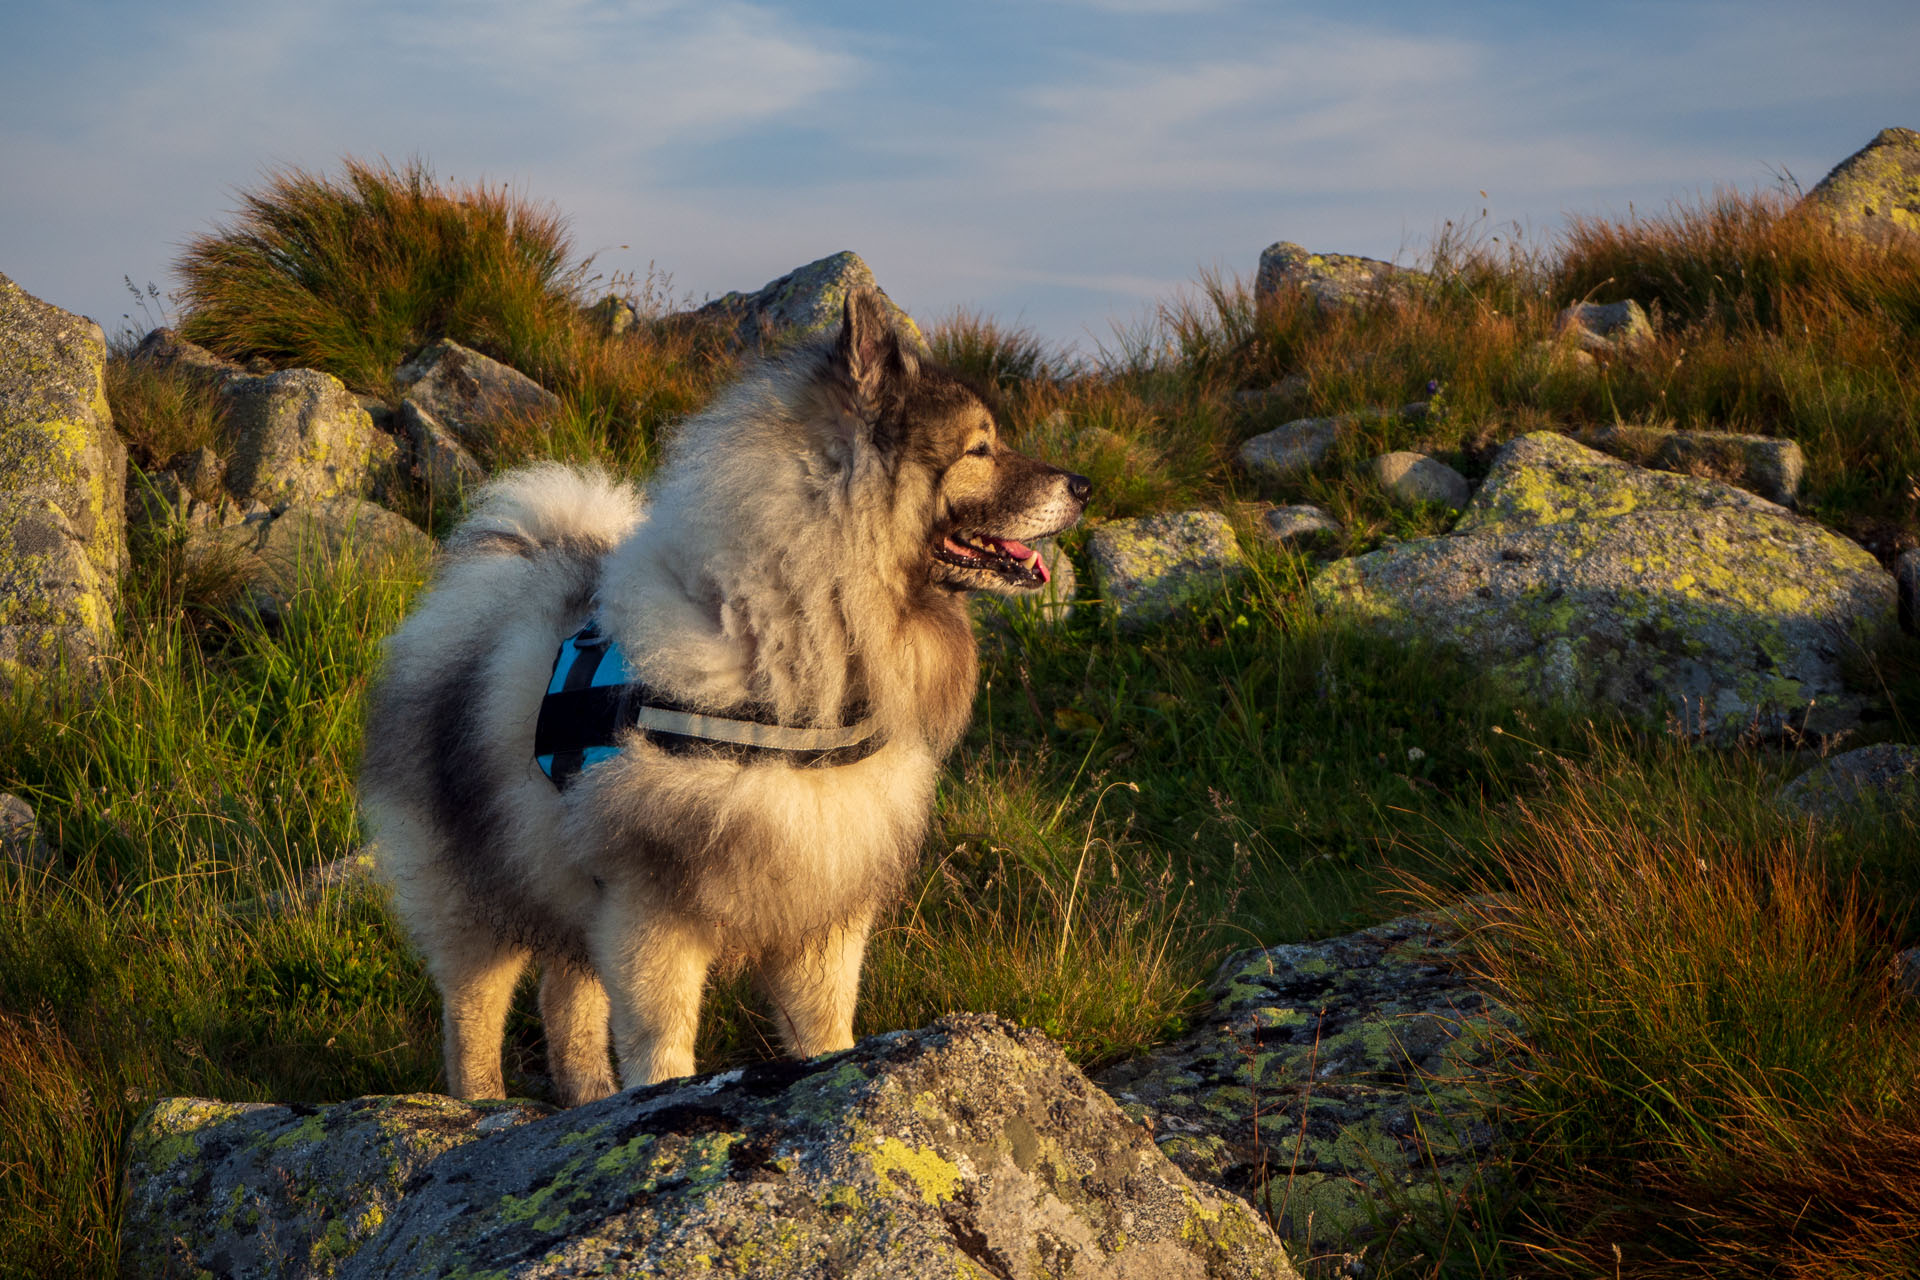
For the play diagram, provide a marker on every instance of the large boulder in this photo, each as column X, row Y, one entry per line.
column 1573, row 575
column 300, row 436
column 1875, row 192
column 470, row 394
column 62, row 488
column 1149, row 568
column 1339, row 1084
column 972, row 1148
column 1335, row 281
column 804, row 302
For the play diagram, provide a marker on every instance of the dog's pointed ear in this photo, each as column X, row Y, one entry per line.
column 868, row 350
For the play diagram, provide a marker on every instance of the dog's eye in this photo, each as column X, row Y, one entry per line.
column 982, row 450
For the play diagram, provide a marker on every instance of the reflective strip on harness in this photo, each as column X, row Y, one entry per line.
column 592, row 698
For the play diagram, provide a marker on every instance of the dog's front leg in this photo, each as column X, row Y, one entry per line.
column 813, row 989
column 654, row 964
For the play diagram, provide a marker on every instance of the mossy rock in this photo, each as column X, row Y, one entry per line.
column 300, row 436
column 1574, row 577
column 969, row 1149
column 1152, row 568
column 806, row 302
column 1344, row 1083
column 62, row 489
column 1875, row 192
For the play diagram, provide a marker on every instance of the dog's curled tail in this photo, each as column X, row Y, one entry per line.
column 544, row 506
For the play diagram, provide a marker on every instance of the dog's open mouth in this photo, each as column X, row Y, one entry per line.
column 1014, row 561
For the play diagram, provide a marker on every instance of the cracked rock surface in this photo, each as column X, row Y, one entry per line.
column 969, row 1149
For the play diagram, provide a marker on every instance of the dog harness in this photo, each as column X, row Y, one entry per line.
column 592, row 699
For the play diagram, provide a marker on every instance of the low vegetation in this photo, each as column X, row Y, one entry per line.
column 1719, row 1079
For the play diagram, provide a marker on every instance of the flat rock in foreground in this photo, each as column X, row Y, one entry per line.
column 1343, row 1082
column 969, row 1149
column 1574, row 576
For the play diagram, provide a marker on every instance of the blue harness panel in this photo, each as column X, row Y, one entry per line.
column 592, row 698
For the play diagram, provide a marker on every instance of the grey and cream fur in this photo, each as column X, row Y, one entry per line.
column 806, row 545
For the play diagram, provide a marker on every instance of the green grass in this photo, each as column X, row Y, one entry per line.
column 1702, row 977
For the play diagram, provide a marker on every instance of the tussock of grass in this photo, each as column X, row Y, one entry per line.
column 1718, row 1076
column 162, row 410
column 354, row 275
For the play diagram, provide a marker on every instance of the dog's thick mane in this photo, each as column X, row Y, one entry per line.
column 722, row 602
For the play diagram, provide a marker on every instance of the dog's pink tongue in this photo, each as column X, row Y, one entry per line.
column 1018, row 550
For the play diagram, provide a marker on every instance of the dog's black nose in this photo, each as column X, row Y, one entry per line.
column 1080, row 487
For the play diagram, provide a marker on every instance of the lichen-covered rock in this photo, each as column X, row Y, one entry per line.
column 1290, row 524
column 435, row 456
column 1339, row 1083
column 613, row 315
column 969, row 1149
column 1574, row 576
column 806, row 301
column 1766, row 465
column 1413, row 478
column 1050, row 605
column 1875, row 192
column 63, row 537
column 300, row 436
column 255, row 1190
column 1148, row 568
column 1334, row 280
column 470, row 394
column 1606, row 327
column 1874, row 783
column 1291, row 448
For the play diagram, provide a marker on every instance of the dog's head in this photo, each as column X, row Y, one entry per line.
column 972, row 502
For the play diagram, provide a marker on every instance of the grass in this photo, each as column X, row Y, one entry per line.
column 1715, row 1079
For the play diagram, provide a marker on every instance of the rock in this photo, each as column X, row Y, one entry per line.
column 1877, row 783
column 300, row 436
column 806, row 301
column 63, row 478
column 1875, row 192
column 20, row 840
column 1606, row 327
column 1768, row 466
column 201, row 472
column 1292, row 449
column 613, row 315
column 167, row 348
column 1564, row 357
column 1335, row 280
column 435, row 455
column 470, row 394
column 1051, row 605
column 1906, row 972
column 971, row 1148
column 1574, row 576
column 285, row 555
column 1295, row 523
column 1413, row 478
column 1906, row 572
column 1373, row 1040
column 1149, row 568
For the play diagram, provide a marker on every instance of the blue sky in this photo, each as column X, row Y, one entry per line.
column 1059, row 163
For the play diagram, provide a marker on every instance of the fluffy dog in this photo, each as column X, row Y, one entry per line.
column 795, row 660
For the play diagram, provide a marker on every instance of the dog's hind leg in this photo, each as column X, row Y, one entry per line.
column 813, row 989
column 654, row 970
column 475, row 975
column 573, row 1011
